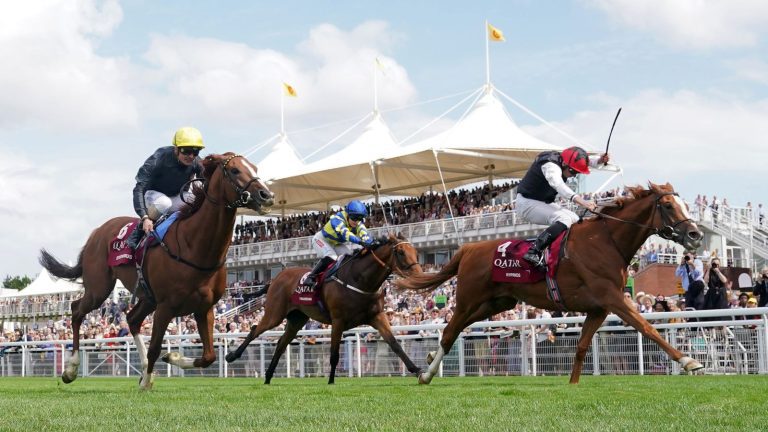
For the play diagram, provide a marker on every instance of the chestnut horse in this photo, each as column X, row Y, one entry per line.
column 352, row 297
column 186, row 276
column 591, row 275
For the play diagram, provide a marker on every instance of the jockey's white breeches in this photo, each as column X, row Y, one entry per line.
column 324, row 249
column 541, row 213
column 159, row 203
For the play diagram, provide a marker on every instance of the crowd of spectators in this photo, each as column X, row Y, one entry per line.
column 428, row 206
column 402, row 308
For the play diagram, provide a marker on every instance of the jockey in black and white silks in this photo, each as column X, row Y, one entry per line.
column 543, row 182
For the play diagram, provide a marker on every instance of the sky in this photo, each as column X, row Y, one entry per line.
column 89, row 89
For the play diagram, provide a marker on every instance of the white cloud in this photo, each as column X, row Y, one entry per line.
column 695, row 141
column 751, row 69
column 51, row 74
column 233, row 83
column 693, row 24
column 55, row 206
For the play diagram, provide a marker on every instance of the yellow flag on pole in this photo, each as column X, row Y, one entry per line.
column 495, row 34
column 289, row 90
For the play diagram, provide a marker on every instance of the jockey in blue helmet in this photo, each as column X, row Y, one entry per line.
column 343, row 233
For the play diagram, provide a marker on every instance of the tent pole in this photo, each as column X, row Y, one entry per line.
column 374, row 172
column 447, row 199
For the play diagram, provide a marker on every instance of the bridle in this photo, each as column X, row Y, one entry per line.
column 244, row 196
column 400, row 270
column 243, row 200
column 669, row 229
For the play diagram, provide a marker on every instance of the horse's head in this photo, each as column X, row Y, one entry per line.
column 399, row 254
column 671, row 218
column 246, row 188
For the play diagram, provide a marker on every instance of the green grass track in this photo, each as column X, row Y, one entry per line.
column 597, row 404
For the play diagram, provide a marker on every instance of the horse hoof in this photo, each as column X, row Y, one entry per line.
column 431, row 356
column 690, row 365
column 423, row 380
column 693, row 366
column 66, row 378
column 232, row 356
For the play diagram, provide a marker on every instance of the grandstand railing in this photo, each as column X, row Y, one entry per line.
column 724, row 345
column 420, row 231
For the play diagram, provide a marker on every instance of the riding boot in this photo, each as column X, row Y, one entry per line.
column 135, row 237
column 535, row 254
column 311, row 278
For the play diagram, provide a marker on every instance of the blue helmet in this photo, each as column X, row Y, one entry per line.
column 357, row 208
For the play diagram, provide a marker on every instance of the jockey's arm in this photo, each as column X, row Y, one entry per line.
column 340, row 227
column 143, row 177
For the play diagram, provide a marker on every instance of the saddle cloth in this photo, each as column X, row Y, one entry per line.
column 509, row 266
column 305, row 295
column 119, row 251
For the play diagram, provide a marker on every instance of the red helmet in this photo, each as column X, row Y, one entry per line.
column 576, row 158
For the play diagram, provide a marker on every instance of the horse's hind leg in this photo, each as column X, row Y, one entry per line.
column 97, row 289
column 465, row 315
column 633, row 318
column 381, row 324
column 272, row 318
column 205, row 329
column 296, row 321
column 593, row 322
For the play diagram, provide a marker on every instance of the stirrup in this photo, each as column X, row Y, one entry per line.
column 538, row 263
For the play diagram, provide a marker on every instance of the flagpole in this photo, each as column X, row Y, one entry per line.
column 375, row 87
column 282, row 111
column 487, row 57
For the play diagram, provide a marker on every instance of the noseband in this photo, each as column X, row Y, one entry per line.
column 242, row 192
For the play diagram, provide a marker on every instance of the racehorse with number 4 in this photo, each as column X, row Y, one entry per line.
column 185, row 276
column 591, row 274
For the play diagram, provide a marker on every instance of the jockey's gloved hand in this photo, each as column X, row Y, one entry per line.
column 368, row 242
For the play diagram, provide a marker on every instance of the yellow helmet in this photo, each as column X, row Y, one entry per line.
column 188, row 137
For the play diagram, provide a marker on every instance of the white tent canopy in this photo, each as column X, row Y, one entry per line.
column 484, row 144
column 281, row 161
column 44, row 284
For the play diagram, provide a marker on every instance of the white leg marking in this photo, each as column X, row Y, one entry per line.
column 175, row 358
column 426, row 377
column 141, row 349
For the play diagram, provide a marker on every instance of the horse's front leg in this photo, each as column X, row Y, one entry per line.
column 205, row 329
column 381, row 324
column 336, row 330
column 633, row 318
column 593, row 322
column 162, row 317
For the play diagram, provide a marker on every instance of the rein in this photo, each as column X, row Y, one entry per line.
column 382, row 264
column 387, row 267
column 243, row 200
column 667, row 231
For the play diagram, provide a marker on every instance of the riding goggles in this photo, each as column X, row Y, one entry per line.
column 194, row 151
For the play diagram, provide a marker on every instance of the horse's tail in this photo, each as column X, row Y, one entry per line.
column 59, row 269
column 429, row 281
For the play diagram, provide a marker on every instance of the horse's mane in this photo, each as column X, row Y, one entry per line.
column 633, row 194
column 198, row 192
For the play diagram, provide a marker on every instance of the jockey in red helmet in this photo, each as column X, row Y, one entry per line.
column 544, row 181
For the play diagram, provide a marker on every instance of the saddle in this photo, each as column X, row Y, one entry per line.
column 307, row 295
